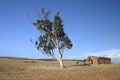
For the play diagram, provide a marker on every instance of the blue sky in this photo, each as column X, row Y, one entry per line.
column 92, row 25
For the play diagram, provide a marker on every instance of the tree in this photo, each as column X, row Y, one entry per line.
column 52, row 36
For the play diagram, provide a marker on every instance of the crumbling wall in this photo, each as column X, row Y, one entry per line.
column 95, row 60
column 104, row 60
column 99, row 60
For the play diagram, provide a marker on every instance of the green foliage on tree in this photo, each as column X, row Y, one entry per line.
column 52, row 36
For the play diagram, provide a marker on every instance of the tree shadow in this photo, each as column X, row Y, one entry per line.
column 82, row 65
column 78, row 65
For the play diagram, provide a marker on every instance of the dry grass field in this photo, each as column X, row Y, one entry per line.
column 12, row 69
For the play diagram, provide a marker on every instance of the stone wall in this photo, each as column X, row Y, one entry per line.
column 97, row 60
column 104, row 60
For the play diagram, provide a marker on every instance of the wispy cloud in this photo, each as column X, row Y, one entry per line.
column 114, row 54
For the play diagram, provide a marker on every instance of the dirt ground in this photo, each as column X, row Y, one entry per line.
column 13, row 69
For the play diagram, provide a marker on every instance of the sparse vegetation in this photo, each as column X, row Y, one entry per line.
column 13, row 69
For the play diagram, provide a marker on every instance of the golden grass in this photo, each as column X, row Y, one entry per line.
column 11, row 69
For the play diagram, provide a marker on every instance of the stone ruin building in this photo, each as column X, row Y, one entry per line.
column 97, row 60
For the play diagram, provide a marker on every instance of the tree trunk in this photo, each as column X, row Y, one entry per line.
column 60, row 58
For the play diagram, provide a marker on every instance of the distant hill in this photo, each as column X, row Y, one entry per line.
column 20, row 58
column 14, row 58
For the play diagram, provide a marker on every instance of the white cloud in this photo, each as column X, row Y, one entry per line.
column 114, row 54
